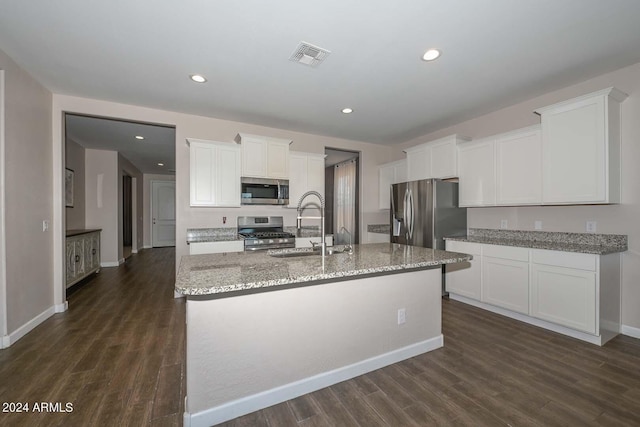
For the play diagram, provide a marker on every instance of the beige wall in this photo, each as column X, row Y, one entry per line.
column 146, row 203
column 190, row 126
column 125, row 167
column 620, row 219
column 28, row 192
column 74, row 160
column 101, row 198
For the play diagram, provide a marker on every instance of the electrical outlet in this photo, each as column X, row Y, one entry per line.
column 45, row 225
column 537, row 225
column 224, row 219
column 504, row 223
column 591, row 226
column 402, row 316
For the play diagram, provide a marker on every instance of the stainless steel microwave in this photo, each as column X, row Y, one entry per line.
column 264, row 191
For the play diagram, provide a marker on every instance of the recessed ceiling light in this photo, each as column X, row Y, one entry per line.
column 347, row 110
column 431, row 54
column 139, row 137
column 198, row 78
column 160, row 164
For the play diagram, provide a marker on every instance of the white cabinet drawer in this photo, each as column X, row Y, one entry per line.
column 565, row 259
column 216, row 247
column 506, row 252
column 464, row 247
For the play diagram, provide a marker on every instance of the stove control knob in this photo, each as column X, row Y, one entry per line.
column 270, row 240
column 260, row 241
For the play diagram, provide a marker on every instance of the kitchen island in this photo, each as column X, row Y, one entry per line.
column 264, row 329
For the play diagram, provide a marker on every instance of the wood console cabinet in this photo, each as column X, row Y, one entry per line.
column 82, row 254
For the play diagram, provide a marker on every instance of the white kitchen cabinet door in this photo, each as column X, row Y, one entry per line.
column 378, row 238
column 444, row 158
column 419, row 163
column 264, row 157
column 216, row 247
column 581, row 149
column 388, row 174
column 477, row 185
column 519, row 167
column 465, row 278
column 278, row 159
column 505, row 283
column 227, row 175
column 306, row 173
column 565, row 296
column 214, row 173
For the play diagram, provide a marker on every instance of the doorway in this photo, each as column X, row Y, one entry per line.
column 342, row 191
column 127, row 219
column 163, row 213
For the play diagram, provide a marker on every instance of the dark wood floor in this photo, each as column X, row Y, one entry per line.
column 118, row 356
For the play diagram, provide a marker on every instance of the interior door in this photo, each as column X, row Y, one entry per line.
column 163, row 213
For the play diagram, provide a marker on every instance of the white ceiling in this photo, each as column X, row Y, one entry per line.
column 495, row 53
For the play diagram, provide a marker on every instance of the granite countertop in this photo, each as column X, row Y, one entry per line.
column 587, row 243
column 256, row 271
column 69, row 233
column 379, row 228
column 202, row 235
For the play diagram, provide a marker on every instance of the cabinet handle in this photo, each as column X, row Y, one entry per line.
column 77, row 258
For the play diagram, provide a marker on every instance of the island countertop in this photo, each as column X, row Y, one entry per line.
column 230, row 273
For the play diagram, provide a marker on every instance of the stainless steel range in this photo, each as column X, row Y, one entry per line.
column 264, row 232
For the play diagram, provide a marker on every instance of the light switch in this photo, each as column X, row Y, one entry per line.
column 591, row 226
column 45, row 225
column 504, row 223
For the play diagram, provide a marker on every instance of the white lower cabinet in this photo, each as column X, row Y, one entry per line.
column 464, row 278
column 505, row 283
column 565, row 296
column 378, row 237
column 216, row 247
column 571, row 293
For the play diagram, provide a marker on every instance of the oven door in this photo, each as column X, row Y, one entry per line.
column 262, row 191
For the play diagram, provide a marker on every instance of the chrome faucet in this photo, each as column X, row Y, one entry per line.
column 348, row 248
column 323, row 245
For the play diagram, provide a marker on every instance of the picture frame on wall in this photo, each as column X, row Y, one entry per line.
column 68, row 187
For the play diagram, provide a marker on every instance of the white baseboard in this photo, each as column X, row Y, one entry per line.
column 147, row 247
column 630, row 331
column 23, row 330
column 110, row 264
column 246, row 405
column 134, row 251
column 593, row 339
column 177, row 294
column 5, row 341
column 61, row 308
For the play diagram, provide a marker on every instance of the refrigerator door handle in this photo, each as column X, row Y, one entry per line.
column 412, row 214
column 405, row 212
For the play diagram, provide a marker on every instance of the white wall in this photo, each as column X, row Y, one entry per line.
column 146, row 204
column 28, row 197
column 618, row 219
column 74, row 160
column 101, row 201
column 190, row 126
column 125, row 167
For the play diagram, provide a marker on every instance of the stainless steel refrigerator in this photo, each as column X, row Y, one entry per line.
column 425, row 211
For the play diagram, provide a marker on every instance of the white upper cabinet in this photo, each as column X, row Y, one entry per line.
column 519, row 167
column 264, row 157
column 581, row 149
column 477, row 173
column 389, row 173
column 434, row 159
column 306, row 173
column 214, row 173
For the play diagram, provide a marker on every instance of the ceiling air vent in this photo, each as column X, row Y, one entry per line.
column 309, row 54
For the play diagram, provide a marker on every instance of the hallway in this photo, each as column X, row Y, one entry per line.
column 117, row 354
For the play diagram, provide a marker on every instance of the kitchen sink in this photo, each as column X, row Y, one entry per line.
column 302, row 252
